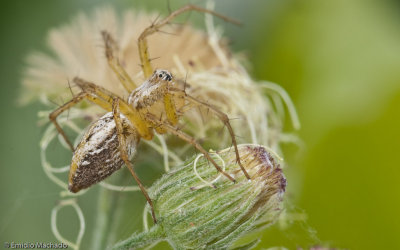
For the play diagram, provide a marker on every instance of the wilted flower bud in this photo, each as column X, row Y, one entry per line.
column 195, row 215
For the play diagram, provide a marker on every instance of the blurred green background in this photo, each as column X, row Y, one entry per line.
column 338, row 59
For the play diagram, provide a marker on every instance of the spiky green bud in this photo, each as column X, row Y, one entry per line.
column 195, row 212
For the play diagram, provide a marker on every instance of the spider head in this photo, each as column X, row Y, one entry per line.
column 162, row 75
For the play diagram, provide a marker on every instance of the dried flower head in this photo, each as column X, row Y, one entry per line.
column 200, row 59
column 192, row 216
column 77, row 50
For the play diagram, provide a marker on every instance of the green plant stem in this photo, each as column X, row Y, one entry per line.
column 156, row 233
column 105, row 207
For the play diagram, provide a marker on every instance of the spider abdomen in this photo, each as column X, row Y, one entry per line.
column 97, row 155
column 147, row 95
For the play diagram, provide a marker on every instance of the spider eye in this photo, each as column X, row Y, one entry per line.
column 160, row 75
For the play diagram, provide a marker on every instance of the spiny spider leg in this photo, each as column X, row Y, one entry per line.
column 170, row 109
column 124, row 154
column 102, row 98
column 76, row 99
column 142, row 42
column 175, row 131
column 97, row 90
column 111, row 51
column 225, row 119
column 132, row 114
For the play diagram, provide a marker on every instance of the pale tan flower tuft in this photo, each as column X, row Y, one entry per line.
column 212, row 74
column 196, row 57
column 77, row 50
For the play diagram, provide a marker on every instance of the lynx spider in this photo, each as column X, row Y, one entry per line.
column 112, row 140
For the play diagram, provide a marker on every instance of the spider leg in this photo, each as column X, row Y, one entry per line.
column 186, row 108
column 111, row 50
column 124, row 154
column 132, row 114
column 175, row 131
column 170, row 109
column 103, row 98
column 83, row 95
column 224, row 118
column 97, row 90
column 142, row 42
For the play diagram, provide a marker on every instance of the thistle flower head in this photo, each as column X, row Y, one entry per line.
column 194, row 216
column 213, row 75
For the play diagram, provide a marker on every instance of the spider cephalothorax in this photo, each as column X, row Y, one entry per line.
column 151, row 91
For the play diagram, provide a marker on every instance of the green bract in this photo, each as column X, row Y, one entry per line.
column 196, row 212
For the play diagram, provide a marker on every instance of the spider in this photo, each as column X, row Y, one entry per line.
column 156, row 104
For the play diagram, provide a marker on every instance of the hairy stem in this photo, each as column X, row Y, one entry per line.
column 156, row 233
